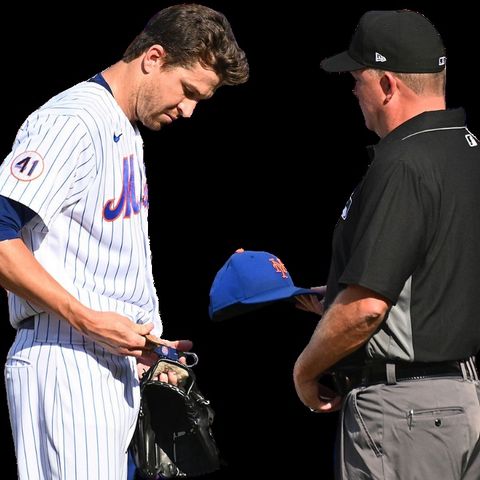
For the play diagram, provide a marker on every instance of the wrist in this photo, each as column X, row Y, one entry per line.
column 76, row 314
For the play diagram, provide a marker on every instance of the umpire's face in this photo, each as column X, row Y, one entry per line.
column 370, row 94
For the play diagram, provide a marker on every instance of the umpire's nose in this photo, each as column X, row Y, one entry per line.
column 186, row 107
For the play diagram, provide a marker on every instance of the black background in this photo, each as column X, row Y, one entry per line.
column 264, row 166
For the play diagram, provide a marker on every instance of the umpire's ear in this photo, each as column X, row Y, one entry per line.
column 389, row 86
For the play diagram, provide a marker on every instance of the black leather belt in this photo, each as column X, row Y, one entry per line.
column 28, row 323
column 346, row 379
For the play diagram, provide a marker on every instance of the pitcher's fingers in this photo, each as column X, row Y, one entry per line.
column 172, row 377
column 182, row 345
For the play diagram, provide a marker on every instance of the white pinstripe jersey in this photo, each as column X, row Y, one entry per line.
column 78, row 163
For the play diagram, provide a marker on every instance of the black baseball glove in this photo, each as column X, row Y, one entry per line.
column 173, row 435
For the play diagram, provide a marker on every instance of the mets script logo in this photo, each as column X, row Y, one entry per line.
column 279, row 267
column 127, row 203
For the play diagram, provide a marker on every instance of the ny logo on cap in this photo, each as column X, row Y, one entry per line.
column 279, row 266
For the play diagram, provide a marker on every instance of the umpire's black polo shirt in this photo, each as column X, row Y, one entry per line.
column 411, row 232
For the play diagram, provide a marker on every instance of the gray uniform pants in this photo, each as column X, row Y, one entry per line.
column 425, row 429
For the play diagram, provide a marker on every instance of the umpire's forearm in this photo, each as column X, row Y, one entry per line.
column 22, row 274
column 347, row 324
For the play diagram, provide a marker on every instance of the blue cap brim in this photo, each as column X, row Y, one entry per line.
column 258, row 301
column 279, row 294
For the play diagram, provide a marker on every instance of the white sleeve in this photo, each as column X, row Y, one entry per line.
column 51, row 164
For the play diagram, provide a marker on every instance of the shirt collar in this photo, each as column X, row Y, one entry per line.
column 435, row 119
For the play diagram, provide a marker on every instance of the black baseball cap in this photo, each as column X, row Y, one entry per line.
column 400, row 41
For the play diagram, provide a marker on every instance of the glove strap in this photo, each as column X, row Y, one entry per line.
column 171, row 353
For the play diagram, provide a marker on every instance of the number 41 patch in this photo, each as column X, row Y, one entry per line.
column 27, row 166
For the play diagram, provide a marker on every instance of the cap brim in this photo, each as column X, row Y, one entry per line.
column 258, row 301
column 279, row 294
column 342, row 62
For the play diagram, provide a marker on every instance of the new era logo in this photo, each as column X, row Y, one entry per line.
column 442, row 60
column 379, row 57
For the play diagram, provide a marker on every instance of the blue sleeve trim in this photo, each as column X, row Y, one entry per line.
column 13, row 217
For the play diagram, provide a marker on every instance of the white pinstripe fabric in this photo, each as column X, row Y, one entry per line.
column 72, row 405
column 85, row 402
column 105, row 264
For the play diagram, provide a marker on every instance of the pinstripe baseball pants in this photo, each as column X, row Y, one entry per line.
column 72, row 409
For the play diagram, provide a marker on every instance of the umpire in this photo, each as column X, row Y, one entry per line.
column 401, row 327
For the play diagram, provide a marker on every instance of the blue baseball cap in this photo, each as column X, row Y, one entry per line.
column 250, row 280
